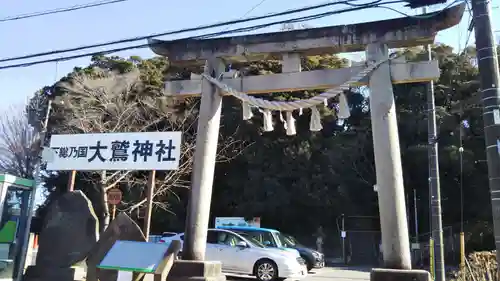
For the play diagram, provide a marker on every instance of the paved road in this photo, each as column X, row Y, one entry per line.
column 327, row 273
column 338, row 274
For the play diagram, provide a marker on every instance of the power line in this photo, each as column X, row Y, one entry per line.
column 61, row 10
column 424, row 16
column 470, row 27
column 249, row 11
column 375, row 4
column 253, row 8
column 206, row 36
column 202, row 27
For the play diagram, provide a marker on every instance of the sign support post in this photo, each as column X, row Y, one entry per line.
column 71, row 181
column 149, row 203
column 114, row 196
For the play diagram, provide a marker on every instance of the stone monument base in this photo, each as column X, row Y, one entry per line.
column 38, row 273
column 385, row 274
column 184, row 270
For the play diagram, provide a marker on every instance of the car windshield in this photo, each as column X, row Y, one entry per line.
column 252, row 240
column 286, row 240
column 290, row 240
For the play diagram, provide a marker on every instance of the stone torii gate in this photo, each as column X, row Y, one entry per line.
column 373, row 37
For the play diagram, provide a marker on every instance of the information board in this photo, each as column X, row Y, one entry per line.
column 134, row 256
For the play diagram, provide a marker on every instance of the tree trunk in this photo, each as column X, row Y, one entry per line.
column 105, row 205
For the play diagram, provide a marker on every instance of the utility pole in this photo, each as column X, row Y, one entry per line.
column 41, row 134
column 343, row 235
column 434, row 186
column 462, row 235
column 407, row 209
column 488, row 74
column 416, row 214
column 417, row 233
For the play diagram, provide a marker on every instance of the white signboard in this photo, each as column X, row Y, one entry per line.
column 114, row 151
column 134, row 256
column 125, row 276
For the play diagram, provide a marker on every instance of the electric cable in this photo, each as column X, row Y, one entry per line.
column 61, row 10
column 253, row 8
column 206, row 36
column 249, row 11
column 374, row 4
column 470, row 27
column 429, row 15
column 198, row 28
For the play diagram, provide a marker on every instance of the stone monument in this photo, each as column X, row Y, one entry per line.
column 69, row 232
column 121, row 228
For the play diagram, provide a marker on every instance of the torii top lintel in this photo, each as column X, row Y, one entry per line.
column 396, row 33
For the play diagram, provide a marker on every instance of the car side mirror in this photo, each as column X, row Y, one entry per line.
column 267, row 243
column 242, row 244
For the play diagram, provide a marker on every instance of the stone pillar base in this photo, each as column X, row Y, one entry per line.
column 385, row 274
column 38, row 273
column 183, row 270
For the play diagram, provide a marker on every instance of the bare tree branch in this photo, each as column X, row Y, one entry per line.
column 18, row 144
column 108, row 102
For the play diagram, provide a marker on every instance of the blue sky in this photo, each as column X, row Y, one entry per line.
column 136, row 18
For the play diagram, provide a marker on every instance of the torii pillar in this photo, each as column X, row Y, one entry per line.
column 373, row 37
column 396, row 251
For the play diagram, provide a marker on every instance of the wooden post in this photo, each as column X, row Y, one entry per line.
column 114, row 197
column 195, row 238
column 71, row 181
column 149, row 203
column 105, row 204
column 389, row 173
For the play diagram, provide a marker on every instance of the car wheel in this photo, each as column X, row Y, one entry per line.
column 266, row 270
column 309, row 263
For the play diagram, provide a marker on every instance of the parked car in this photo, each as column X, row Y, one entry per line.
column 166, row 235
column 240, row 255
column 274, row 238
column 313, row 258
